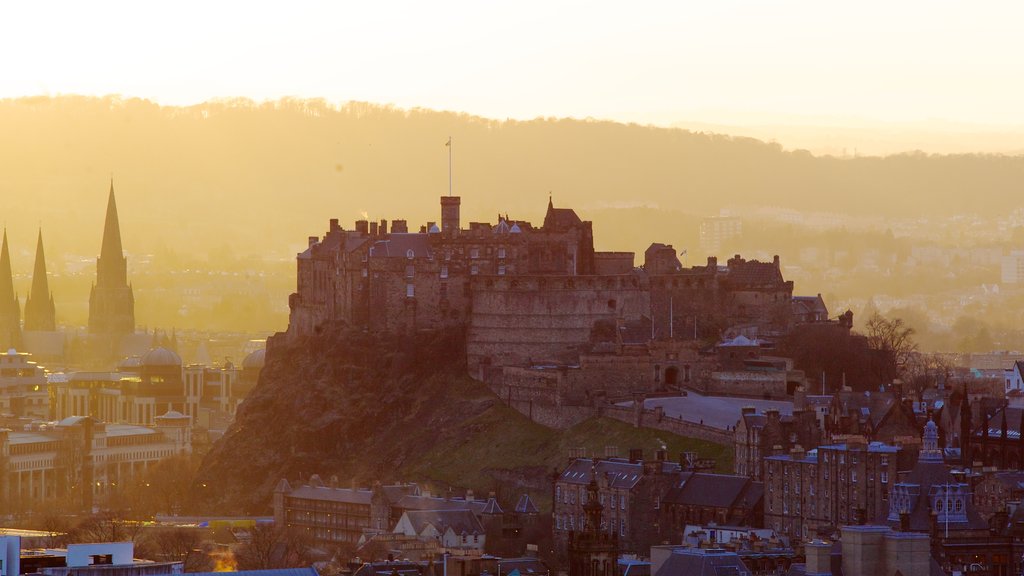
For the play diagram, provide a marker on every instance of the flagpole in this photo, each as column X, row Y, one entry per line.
column 449, row 145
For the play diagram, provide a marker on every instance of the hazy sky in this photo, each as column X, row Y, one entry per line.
column 714, row 61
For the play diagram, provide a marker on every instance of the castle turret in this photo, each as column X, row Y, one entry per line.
column 10, row 311
column 112, row 302
column 39, row 311
column 450, row 213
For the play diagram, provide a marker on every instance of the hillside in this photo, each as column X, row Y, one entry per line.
column 240, row 178
column 366, row 407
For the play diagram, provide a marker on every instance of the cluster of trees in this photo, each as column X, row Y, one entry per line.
column 886, row 351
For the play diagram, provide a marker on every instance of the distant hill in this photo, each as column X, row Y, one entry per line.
column 249, row 178
column 368, row 407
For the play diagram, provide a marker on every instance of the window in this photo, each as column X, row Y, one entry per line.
column 884, row 476
column 501, row 252
column 853, row 476
column 622, row 501
column 444, row 271
column 474, row 270
column 622, row 528
column 410, row 254
column 474, row 253
column 558, row 493
column 410, row 291
column 959, row 505
column 501, row 269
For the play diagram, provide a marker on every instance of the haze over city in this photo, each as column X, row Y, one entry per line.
column 527, row 289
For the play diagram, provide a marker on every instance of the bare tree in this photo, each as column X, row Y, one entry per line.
column 269, row 546
column 894, row 340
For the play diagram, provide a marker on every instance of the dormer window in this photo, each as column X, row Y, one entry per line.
column 410, row 254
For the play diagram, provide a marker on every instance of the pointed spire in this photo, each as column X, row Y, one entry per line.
column 10, row 311
column 111, row 249
column 39, row 310
column 111, row 303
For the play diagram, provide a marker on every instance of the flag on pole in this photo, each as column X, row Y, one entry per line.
column 449, row 142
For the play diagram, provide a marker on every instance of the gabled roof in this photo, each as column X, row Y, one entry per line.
column 560, row 218
column 715, row 490
column 460, row 521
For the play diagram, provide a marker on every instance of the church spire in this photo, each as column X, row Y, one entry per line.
column 112, row 303
column 39, row 312
column 10, row 312
column 111, row 250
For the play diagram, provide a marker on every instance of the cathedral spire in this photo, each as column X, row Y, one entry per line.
column 39, row 311
column 10, row 312
column 112, row 303
column 111, row 250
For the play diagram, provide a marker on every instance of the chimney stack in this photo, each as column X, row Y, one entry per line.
column 636, row 455
column 450, row 214
column 363, row 227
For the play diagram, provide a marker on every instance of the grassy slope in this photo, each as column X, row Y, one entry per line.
column 500, row 438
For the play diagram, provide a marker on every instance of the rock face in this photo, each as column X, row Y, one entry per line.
column 355, row 405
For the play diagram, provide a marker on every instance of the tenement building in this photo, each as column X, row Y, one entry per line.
column 808, row 493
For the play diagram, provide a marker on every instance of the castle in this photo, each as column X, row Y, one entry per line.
column 533, row 297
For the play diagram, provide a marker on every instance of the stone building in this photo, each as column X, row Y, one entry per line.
column 630, row 492
column 526, row 294
column 815, row 492
column 394, row 514
column 80, row 458
column 758, row 436
column 152, row 384
column 23, row 392
column 702, row 498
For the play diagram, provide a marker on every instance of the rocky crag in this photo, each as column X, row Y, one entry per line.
column 366, row 407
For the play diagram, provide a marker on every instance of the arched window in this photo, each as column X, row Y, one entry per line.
column 410, row 254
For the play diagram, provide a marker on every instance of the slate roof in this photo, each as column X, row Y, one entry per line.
column 525, row 505
column 703, row 562
column 754, row 273
column 417, row 502
column 491, row 507
column 398, row 245
column 715, row 490
column 995, row 424
column 620, row 473
column 346, row 495
column 460, row 521
column 560, row 218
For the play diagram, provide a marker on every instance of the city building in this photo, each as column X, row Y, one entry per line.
column 143, row 387
column 630, row 492
column 717, row 230
column 80, row 458
column 703, row 498
column 591, row 549
column 808, row 493
column 23, row 389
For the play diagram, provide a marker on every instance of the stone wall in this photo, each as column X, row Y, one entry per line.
column 658, row 420
column 545, row 320
column 746, row 384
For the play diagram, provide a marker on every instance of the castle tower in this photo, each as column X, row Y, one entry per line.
column 39, row 314
column 450, row 221
column 112, row 302
column 10, row 311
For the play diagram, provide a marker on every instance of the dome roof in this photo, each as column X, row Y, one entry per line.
column 255, row 360
column 158, row 357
